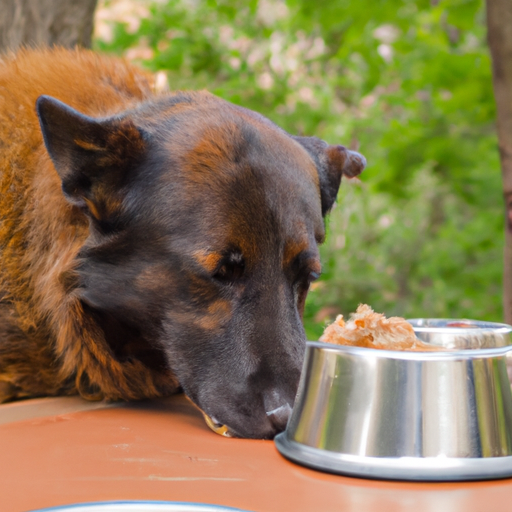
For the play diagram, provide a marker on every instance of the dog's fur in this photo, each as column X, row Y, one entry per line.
column 154, row 242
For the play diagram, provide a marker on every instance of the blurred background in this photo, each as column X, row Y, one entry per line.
column 406, row 82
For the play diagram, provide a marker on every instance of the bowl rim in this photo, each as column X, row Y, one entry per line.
column 418, row 355
column 481, row 325
column 410, row 355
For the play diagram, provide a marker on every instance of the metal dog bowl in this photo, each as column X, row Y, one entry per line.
column 437, row 415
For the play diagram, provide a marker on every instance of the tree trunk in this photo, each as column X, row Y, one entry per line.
column 499, row 36
column 45, row 23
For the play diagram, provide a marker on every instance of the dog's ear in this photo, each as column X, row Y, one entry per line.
column 332, row 162
column 92, row 156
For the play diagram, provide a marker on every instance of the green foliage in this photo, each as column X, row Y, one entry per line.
column 406, row 81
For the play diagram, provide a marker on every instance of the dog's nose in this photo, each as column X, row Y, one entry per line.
column 277, row 409
column 279, row 417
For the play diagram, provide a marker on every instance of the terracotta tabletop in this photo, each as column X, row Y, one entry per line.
column 61, row 451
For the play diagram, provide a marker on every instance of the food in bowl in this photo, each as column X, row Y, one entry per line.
column 365, row 328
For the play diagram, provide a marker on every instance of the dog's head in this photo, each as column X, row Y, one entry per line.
column 205, row 220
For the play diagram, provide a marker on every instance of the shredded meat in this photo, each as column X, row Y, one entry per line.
column 365, row 328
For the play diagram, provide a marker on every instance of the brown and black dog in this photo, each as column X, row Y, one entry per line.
column 152, row 243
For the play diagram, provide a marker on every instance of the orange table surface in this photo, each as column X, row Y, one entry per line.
column 63, row 451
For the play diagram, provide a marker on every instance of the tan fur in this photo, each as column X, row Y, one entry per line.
column 47, row 344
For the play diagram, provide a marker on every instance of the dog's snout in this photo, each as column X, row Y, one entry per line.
column 278, row 409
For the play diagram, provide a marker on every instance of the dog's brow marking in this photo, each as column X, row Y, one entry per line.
column 292, row 250
column 208, row 260
column 217, row 314
column 220, row 307
column 214, row 153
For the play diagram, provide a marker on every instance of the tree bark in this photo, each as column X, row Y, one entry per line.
column 499, row 36
column 45, row 23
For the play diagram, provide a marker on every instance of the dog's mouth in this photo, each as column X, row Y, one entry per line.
column 214, row 425
column 277, row 417
column 217, row 427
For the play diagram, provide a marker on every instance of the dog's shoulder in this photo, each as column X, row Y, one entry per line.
column 95, row 84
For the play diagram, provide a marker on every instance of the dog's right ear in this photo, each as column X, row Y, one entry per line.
column 92, row 156
column 332, row 162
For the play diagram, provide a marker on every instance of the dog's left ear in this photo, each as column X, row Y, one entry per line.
column 92, row 156
column 332, row 162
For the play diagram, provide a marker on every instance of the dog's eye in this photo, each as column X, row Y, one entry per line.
column 307, row 277
column 231, row 268
column 303, row 289
column 312, row 276
column 305, row 283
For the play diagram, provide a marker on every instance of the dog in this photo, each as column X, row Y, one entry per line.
column 154, row 243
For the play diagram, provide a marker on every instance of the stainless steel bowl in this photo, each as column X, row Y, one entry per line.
column 440, row 415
